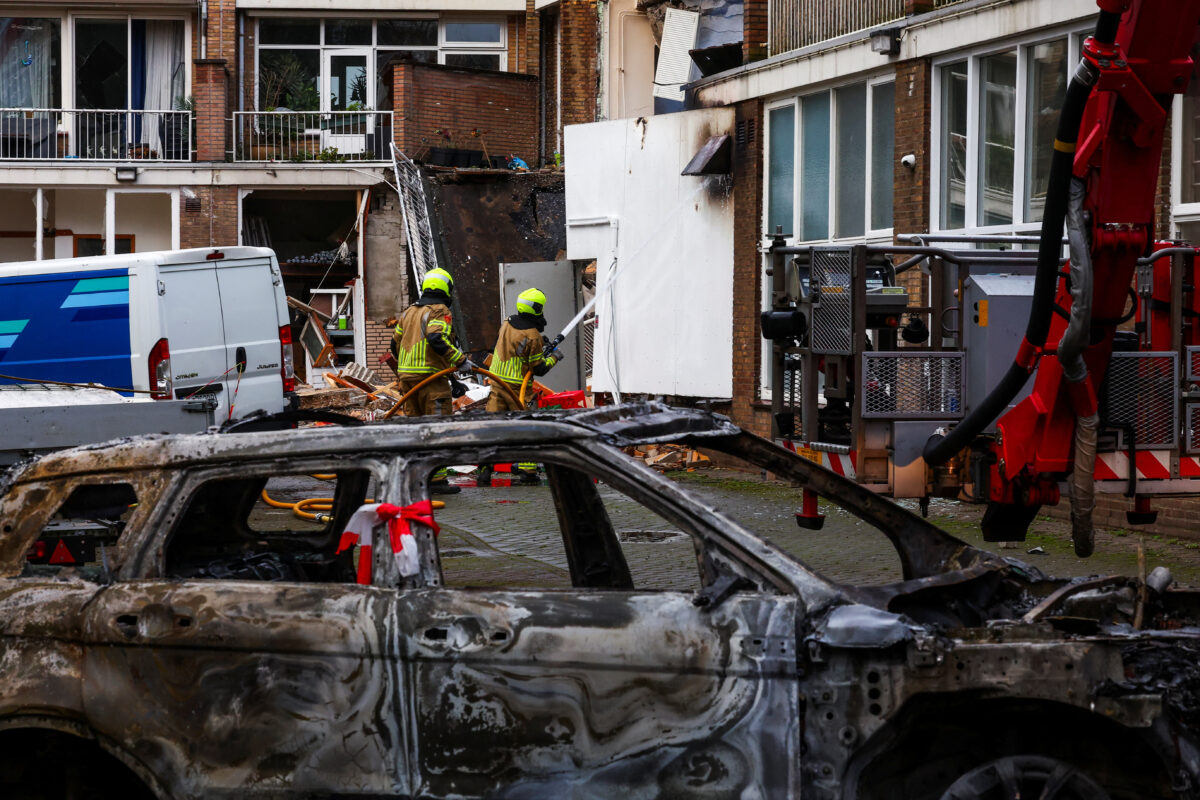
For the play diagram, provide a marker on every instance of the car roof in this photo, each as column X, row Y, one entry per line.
column 615, row 425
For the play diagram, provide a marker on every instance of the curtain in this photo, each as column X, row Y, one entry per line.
column 25, row 59
column 164, row 74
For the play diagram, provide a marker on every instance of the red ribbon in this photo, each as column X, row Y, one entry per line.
column 398, row 518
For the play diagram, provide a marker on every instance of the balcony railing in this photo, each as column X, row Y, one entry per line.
column 799, row 23
column 329, row 137
column 37, row 134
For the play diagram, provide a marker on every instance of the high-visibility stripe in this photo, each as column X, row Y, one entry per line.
column 1104, row 470
column 1151, row 468
column 1189, row 467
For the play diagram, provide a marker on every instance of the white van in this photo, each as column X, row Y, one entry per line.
column 181, row 323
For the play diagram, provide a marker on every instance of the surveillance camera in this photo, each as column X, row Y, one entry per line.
column 909, row 161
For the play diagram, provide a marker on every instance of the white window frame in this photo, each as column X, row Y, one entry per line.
column 1023, row 47
column 869, row 236
column 442, row 48
column 68, row 46
column 1181, row 213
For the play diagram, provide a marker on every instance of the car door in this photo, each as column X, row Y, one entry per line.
column 251, row 325
column 192, row 316
column 254, row 683
column 569, row 679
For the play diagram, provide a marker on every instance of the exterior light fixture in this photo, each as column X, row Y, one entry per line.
column 126, row 174
column 886, row 41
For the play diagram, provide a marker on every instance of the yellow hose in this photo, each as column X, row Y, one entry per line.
column 524, row 386
column 318, row 504
column 496, row 381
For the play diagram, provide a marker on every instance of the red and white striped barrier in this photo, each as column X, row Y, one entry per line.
column 844, row 464
column 1151, row 465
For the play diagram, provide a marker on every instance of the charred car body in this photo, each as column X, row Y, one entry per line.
column 200, row 655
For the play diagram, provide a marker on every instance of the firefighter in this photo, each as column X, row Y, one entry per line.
column 519, row 350
column 423, row 343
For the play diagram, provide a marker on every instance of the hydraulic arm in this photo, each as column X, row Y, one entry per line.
column 1102, row 186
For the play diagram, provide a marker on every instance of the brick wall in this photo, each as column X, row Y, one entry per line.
column 747, row 268
column 378, row 341
column 754, row 30
column 580, row 61
column 429, row 97
column 1162, row 200
column 551, row 80
column 532, row 42
column 910, row 197
column 214, row 223
column 212, row 80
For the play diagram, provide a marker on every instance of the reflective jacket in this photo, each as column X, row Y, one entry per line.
column 519, row 349
column 423, row 341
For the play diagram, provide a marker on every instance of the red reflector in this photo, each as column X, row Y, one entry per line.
column 893, row 322
column 215, row 255
column 61, row 554
column 37, row 552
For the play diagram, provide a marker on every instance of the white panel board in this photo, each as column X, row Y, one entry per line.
column 674, row 63
column 666, row 321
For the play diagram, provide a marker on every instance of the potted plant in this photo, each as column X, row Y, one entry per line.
column 443, row 156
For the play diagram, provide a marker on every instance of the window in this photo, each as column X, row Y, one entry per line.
column 129, row 64
column 781, row 169
column 83, row 531
column 995, row 119
column 30, row 62
column 296, row 57
column 1186, row 157
column 251, row 528
column 570, row 532
column 830, row 163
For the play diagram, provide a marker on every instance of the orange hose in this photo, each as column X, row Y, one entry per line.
column 318, row 504
column 405, row 396
column 524, row 386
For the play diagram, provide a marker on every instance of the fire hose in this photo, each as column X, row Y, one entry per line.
column 496, row 381
column 319, row 505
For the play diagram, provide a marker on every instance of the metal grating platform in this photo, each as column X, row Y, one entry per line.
column 832, row 315
column 1141, row 391
column 917, row 385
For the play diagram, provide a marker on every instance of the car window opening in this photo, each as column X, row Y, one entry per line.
column 270, row 528
column 567, row 531
column 79, row 539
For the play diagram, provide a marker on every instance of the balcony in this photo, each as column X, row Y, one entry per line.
column 800, row 23
column 47, row 134
column 318, row 137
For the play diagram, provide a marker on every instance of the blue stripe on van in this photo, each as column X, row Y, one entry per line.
column 7, row 342
column 71, row 335
column 96, row 299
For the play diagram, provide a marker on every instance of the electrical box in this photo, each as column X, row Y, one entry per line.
column 995, row 312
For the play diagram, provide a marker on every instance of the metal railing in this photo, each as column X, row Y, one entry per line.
column 329, row 137
column 38, row 134
column 798, row 23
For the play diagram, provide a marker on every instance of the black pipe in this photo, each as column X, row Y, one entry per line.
column 940, row 449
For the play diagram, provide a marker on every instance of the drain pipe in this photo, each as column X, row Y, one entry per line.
column 202, row 13
column 940, row 449
column 1071, row 348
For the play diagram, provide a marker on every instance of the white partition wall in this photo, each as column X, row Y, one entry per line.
column 666, row 321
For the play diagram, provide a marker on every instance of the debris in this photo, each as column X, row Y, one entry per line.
column 671, row 456
column 1036, row 551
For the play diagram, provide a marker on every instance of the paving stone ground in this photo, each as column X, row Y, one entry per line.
column 509, row 536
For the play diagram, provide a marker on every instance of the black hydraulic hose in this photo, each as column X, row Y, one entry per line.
column 940, row 449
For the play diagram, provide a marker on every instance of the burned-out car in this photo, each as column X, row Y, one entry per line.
column 197, row 648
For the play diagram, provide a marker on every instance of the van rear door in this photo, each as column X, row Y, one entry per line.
column 250, row 293
column 191, row 309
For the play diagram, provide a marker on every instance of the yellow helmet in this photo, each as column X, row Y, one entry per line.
column 438, row 279
column 531, row 301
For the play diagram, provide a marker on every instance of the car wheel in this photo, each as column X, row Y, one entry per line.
column 1018, row 777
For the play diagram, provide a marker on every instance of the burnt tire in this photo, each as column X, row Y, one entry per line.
column 1018, row 777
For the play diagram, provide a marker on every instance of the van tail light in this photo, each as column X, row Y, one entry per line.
column 285, row 358
column 161, row 386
